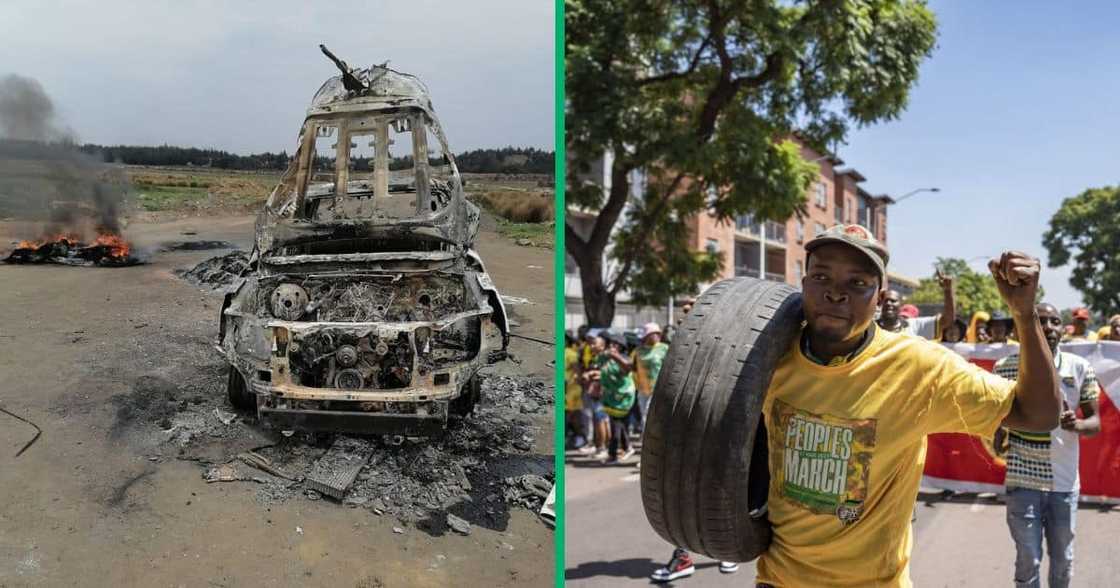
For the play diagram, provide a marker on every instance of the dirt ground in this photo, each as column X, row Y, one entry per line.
column 102, row 499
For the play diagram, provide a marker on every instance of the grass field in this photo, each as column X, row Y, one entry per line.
column 188, row 190
column 522, row 205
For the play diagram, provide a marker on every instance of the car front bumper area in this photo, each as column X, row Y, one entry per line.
column 356, row 422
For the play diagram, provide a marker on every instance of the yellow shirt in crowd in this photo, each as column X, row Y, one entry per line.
column 572, row 390
column 847, row 446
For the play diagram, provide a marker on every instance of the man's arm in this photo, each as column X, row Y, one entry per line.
column 1038, row 402
column 949, row 310
column 1088, row 426
column 622, row 361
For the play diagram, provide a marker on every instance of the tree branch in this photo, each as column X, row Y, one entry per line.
column 643, row 233
column 575, row 245
column 678, row 74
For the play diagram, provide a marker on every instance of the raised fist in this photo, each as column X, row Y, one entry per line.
column 1016, row 275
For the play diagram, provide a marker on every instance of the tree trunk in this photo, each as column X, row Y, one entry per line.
column 598, row 301
column 590, row 253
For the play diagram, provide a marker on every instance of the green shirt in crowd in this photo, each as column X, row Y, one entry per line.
column 617, row 387
column 647, row 366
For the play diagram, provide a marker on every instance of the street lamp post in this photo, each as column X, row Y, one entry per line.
column 871, row 209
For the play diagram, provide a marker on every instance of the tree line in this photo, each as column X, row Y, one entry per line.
column 512, row 160
column 506, row 160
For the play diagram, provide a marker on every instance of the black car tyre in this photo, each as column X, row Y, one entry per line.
column 705, row 471
column 238, row 391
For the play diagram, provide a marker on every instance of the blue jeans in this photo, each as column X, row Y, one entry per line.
column 1032, row 514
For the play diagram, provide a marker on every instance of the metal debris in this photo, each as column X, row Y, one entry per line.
column 530, row 491
column 338, row 468
column 225, row 417
column 38, row 431
column 458, row 525
column 223, row 473
column 263, row 463
column 548, row 511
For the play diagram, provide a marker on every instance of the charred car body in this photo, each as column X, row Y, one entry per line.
column 364, row 308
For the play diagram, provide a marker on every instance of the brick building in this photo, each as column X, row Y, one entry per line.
column 836, row 197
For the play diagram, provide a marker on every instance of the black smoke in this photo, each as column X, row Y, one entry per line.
column 43, row 176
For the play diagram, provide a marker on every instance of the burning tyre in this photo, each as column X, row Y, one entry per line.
column 364, row 308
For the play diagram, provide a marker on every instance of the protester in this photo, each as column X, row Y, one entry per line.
column 592, row 399
column 647, row 360
column 978, row 328
column 854, row 402
column 1042, row 468
column 999, row 328
column 1081, row 331
column 1114, row 328
column 573, row 393
column 926, row 327
column 954, row 333
column 612, row 370
column 681, row 566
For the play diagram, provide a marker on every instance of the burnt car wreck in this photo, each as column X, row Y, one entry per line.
column 364, row 308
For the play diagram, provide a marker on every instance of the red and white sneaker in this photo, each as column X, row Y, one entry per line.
column 680, row 566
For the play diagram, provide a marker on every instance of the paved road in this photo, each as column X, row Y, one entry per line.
column 959, row 541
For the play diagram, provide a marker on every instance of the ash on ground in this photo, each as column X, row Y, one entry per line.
column 218, row 272
column 476, row 471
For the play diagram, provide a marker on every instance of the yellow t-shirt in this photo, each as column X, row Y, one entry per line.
column 847, row 446
column 572, row 390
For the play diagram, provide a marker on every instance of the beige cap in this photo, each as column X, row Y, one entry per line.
column 855, row 236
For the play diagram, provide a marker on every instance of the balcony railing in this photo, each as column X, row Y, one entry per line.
column 752, row 272
column 774, row 231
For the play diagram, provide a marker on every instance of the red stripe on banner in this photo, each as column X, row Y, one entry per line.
column 1100, row 455
column 988, row 364
column 957, row 456
column 963, row 458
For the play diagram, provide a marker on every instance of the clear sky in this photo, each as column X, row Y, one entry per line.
column 1016, row 110
column 239, row 75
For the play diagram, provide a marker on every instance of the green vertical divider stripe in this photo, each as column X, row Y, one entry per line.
column 558, row 303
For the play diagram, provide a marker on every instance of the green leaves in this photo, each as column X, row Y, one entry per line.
column 713, row 91
column 975, row 291
column 1084, row 230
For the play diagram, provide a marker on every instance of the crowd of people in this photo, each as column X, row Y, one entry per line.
column 610, row 381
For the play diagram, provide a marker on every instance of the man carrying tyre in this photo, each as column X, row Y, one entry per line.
column 850, row 404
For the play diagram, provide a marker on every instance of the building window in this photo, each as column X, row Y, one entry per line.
column 800, row 231
column 822, row 195
column 797, row 271
column 839, row 214
column 712, row 246
column 819, row 228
